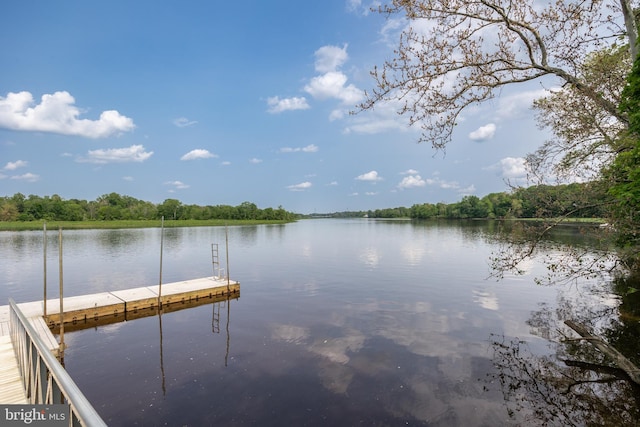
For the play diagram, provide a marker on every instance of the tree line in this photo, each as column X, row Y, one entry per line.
column 114, row 206
column 577, row 200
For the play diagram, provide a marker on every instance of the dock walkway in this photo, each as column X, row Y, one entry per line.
column 97, row 309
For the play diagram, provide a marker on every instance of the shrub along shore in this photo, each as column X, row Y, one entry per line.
column 116, row 224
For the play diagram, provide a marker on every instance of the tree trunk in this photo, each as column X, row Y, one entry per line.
column 631, row 27
column 621, row 362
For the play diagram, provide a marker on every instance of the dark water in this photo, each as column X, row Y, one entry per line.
column 340, row 322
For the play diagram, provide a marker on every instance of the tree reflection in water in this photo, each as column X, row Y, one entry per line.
column 574, row 385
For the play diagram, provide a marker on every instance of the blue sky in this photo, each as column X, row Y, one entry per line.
column 225, row 102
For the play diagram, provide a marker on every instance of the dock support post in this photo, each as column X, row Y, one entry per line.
column 161, row 250
column 44, row 241
column 61, row 294
column 226, row 237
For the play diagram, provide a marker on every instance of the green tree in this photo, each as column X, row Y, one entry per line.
column 170, row 209
column 624, row 177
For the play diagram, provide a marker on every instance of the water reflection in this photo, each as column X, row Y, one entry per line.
column 340, row 323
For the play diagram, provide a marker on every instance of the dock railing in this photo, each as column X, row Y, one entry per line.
column 45, row 380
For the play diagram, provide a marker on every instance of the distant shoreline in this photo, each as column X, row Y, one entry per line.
column 121, row 224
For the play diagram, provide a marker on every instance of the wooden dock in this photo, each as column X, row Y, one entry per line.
column 120, row 304
column 103, row 308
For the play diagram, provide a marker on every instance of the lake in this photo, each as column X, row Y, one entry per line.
column 339, row 322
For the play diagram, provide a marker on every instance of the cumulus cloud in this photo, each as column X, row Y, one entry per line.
column 450, row 185
column 412, row 181
column 176, row 185
column 300, row 187
column 410, row 172
column 255, row 161
column 135, row 153
column 311, row 148
column 330, row 58
column 277, row 105
column 28, row 177
column 127, row 178
column 198, row 153
column 371, row 176
column 483, row 132
column 57, row 113
column 332, row 85
column 511, row 167
column 11, row 166
column 183, row 122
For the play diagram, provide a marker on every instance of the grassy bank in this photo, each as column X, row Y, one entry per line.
column 84, row 225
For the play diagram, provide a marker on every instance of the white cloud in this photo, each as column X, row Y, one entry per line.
column 333, row 183
column 337, row 114
column 371, row 176
column 127, row 178
column 255, row 161
column 410, row 172
column 178, row 185
column 311, row 148
column 512, row 167
column 383, row 118
column 183, row 122
column 467, row 190
column 57, row 113
column 483, row 132
column 330, row 58
column 11, row 166
column 29, row 177
column 226, row 163
column 277, row 105
column 300, row 187
column 332, row 85
column 198, row 153
column 518, row 104
column 135, row 153
column 371, row 193
column 412, row 181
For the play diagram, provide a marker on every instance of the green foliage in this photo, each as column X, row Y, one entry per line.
column 575, row 201
column 624, row 176
column 114, row 207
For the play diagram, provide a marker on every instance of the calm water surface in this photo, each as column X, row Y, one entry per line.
column 339, row 322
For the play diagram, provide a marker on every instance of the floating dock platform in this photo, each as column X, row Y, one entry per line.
column 110, row 307
column 80, row 312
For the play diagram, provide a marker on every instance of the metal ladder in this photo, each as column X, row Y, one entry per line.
column 215, row 261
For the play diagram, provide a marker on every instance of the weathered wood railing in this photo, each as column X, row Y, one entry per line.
column 45, row 379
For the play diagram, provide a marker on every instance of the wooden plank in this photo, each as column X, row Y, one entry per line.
column 4, row 328
column 47, row 337
column 4, row 313
column 187, row 290
column 110, row 307
column 11, row 388
column 84, row 306
column 137, row 298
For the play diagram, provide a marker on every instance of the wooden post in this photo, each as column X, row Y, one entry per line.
column 44, row 233
column 61, row 291
column 226, row 237
column 161, row 250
